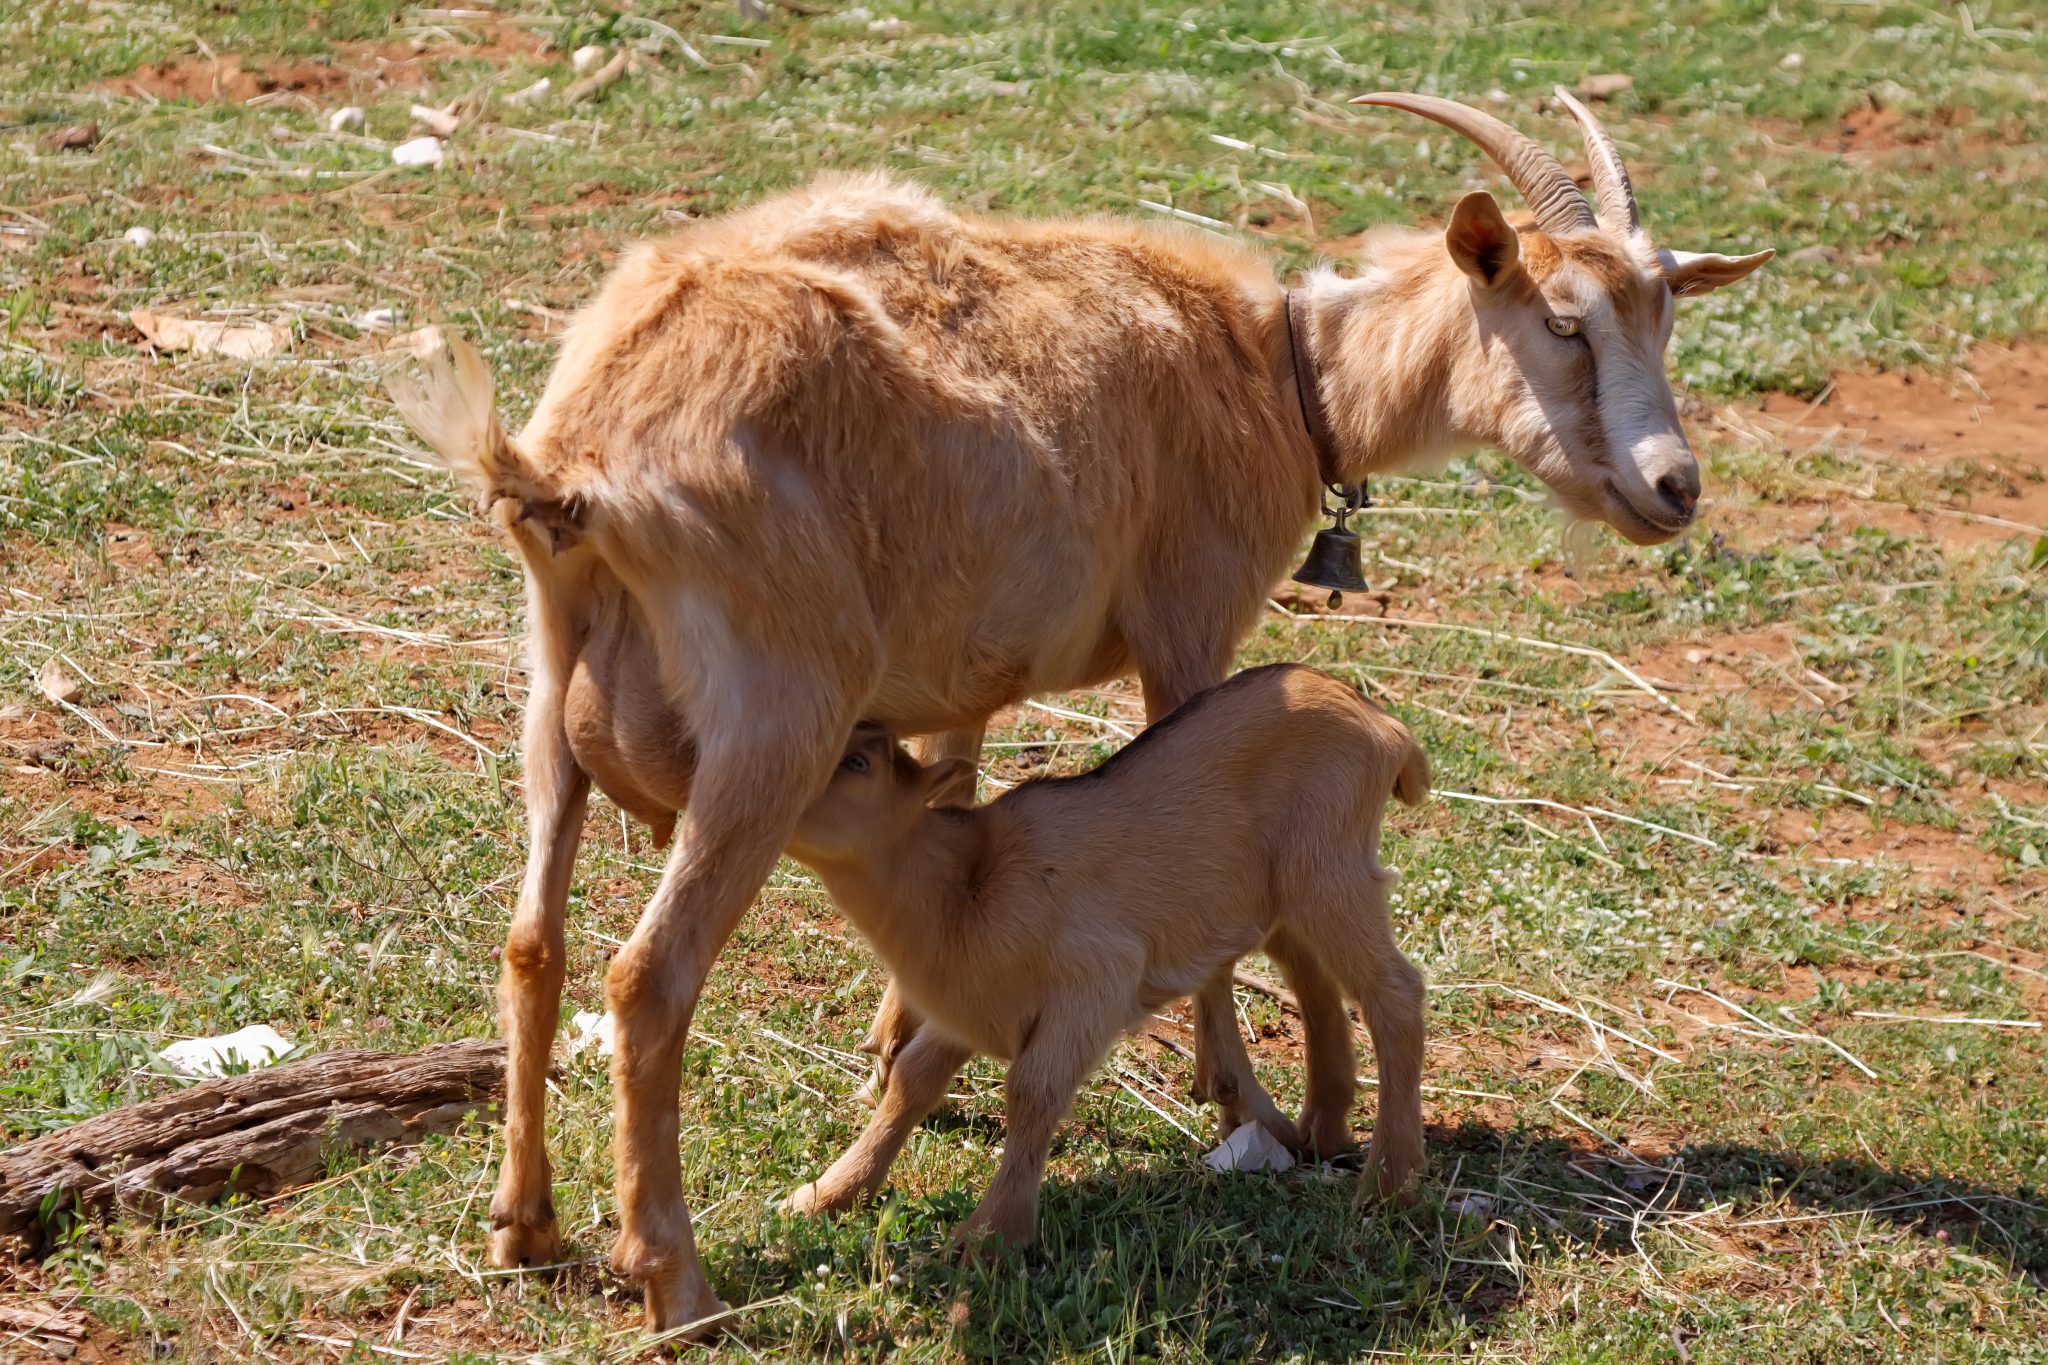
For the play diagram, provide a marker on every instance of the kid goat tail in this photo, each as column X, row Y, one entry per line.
column 447, row 397
column 1411, row 784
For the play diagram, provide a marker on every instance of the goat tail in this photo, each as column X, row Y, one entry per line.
column 1411, row 784
column 448, row 399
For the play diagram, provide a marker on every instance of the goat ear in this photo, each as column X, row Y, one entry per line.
column 1481, row 242
column 949, row 779
column 1689, row 272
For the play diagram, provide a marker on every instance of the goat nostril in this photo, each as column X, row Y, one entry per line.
column 1678, row 493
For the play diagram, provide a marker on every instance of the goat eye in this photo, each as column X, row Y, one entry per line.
column 855, row 763
column 1562, row 327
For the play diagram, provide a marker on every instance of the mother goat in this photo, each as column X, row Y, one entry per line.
column 849, row 456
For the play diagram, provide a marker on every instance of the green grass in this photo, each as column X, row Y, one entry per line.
column 267, row 601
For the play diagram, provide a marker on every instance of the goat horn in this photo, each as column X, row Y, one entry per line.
column 1610, row 178
column 1534, row 172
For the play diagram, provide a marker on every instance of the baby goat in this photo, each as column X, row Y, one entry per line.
column 1040, row 926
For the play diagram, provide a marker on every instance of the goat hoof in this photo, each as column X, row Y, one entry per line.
column 689, row 1317
column 1392, row 1179
column 1283, row 1131
column 517, row 1244
column 1322, row 1136
column 812, row 1199
column 983, row 1242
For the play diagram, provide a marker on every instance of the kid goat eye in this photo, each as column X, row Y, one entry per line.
column 1563, row 327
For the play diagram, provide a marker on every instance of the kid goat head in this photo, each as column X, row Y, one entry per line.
column 876, row 798
column 1553, row 330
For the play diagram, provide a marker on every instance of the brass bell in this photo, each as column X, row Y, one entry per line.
column 1335, row 559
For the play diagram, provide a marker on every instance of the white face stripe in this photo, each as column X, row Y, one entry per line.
column 1638, row 414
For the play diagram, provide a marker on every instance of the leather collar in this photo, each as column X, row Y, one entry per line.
column 1308, row 390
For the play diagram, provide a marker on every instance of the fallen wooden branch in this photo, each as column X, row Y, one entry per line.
column 1271, row 989
column 253, row 1134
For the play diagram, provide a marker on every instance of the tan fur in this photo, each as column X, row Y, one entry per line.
column 848, row 455
column 1040, row 926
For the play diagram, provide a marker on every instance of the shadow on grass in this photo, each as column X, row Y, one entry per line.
column 1163, row 1260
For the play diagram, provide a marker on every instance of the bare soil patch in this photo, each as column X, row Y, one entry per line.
column 206, row 79
column 1992, row 421
column 1841, row 832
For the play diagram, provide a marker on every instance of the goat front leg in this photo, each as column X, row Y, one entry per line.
column 896, row 1021
column 1037, row 1093
column 752, row 783
column 916, row 1085
column 530, row 985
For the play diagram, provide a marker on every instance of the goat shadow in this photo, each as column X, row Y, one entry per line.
column 1176, row 1260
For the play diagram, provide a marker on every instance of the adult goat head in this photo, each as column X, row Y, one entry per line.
column 1550, row 331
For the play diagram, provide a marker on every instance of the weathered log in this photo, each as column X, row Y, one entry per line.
column 254, row 1134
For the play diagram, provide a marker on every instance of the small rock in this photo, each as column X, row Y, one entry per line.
column 1792, row 61
column 420, row 151
column 139, row 237
column 1249, row 1148
column 376, row 320
column 586, row 59
column 888, row 28
column 135, row 815
column 255, row 1046
column 532, row 94
column 347, row 119
column 1604, row 87
column 1470, row 1206
column 56, row 683
column 49, row 753
column 589, row 1031
column 79, row 137
column 441, row 123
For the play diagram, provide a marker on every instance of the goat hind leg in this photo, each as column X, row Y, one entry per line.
column 1223, row 1069
column 1332, row 1061
column 751, row 785
column 530, row 985
column 1389, row 989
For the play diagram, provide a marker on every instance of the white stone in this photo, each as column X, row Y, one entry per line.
column 347, row 119
column 532, row 94
column 586, row 59
column 138, row 236
column 421, row 151
column 254, row 1046
column 588, row 1030
column 1250, row 1148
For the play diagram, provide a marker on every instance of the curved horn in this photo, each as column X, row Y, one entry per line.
column 1610, row 178
column 1533, row 171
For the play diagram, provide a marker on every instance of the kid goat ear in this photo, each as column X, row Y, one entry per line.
column 944, row 773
